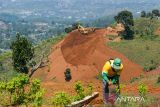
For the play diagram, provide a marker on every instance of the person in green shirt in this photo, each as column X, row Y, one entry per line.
column 110, row 73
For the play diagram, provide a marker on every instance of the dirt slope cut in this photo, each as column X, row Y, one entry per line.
column 91, row 50
column 84, row 54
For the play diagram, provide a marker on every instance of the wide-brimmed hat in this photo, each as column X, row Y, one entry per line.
column 117, row 63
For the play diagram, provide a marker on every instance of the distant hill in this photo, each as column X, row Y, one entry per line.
column 39, row 19
column 76, row 9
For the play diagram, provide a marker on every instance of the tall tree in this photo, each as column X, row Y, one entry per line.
column 126, row 18
column 156, row 12
column 23, row 52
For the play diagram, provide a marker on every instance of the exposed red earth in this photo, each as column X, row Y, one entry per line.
column 85, row 56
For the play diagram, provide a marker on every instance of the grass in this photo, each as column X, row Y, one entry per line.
column 45, row 47
column 5, row 56
column 143, row 52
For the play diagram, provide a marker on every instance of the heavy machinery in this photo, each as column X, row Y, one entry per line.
column 86, row 30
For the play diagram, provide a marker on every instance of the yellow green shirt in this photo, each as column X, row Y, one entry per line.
column 108, row 69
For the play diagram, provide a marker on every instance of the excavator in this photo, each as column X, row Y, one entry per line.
column 86, row 30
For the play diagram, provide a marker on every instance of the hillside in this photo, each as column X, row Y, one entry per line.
column 38, row 19
column 85, row 56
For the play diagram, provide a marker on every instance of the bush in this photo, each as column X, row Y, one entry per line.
column 36, row 93
column 79, row 90
column 145, row 27
column 17, row 94
column 61, row 99
column 142, row 89
column 89, row 89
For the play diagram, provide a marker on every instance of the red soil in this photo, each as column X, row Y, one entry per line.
column 85, row 56
column 154, row 72
column 91, row 51
column 157, row 32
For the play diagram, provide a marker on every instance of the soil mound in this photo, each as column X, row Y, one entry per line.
column 92, row 50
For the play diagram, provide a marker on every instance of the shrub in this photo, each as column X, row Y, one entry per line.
column 79, row 90
column 36, row 93
column 142, row 89
column 17, row 91
column 61, row 99
column 89, row 89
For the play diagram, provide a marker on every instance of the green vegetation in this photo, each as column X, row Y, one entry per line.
column 22, row 91
column 42, row 48
column 135, row 49
column 145, row 27
column 126, row 18
column 22, row 53
column 139, row 103
column 45, row 47
column 144, row 98
column 73, row 27
column 61, row 99
column 154, row 13
column 14, row 93
column 81, row 91
column 5, row 56
column 145, row 44
column 142, row 89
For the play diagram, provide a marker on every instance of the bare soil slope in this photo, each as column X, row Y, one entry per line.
column 91, row 51
column 85, row 56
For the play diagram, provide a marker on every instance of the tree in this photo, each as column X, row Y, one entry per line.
column 128, row 33
column 149, row 15
column 156, row 12
column 75, row 25
column 23, row 52
column 126, row 18
column 68, row 29
column 143, row 14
